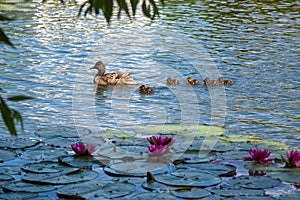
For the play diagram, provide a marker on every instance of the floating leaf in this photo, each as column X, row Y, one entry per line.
column 10, row 169
column 48, row 167
column 291, row 175
column 254, row 182
column 6, row 155
column 82, row 161
column 188, row 179
column 239, row 138
column 155, row 186
column 238, row 193
column 135, row 168
column 194, row 193
column 17, row 143
column 191, row 158
column 21, row 186
column 4, row 38
column 62, row 131
column 96, row 189
column 60, row 177
column 61, row 141
column 6, row 177
column 151, row 196
column 18, row 196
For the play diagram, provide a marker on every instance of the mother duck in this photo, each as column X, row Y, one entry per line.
column 103, row 78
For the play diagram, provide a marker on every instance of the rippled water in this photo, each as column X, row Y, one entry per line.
column 254, row 44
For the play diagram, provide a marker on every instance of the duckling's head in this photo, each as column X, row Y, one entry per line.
column 100, row 67
column 220, row 79
column 196, row 82
column 189, row 80
column 206, row 79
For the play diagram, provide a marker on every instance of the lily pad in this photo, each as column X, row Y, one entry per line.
column 6, row 155
column 212, row 168
column 238, row 193
column 254, row 182
column 192, row 158
column 43, row 152
column 177, row 129
column 114, row 133
column 62, row 131
column 239, row 138
column 291, row 175
column 10, row 169
column 151, row 196
column 81, row 161
column 155, row 186
column 48, row 167
column 18, row 195
column 135, row 168
column 194, row 193
column 27, row 187
column 60, row 178
column 96, row 189
column 17, row 143
column 6, row 177
column 61, row 141
column 188, row 179
column 218, row 147
column 232, row 155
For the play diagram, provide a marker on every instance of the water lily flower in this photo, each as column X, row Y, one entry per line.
column 260, row 156
column 292, row 158
column 164, row 141
column 156, row 150
column 83, row 149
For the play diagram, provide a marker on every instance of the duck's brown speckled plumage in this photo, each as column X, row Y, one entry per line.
column 146, row 90
column 103, row 78
column 219, row 82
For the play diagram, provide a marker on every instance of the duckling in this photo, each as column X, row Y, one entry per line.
column 171, row 81
column 146, row 90
column 228, row 82
column 219, row 82
column 192, row 81
column 102, row 78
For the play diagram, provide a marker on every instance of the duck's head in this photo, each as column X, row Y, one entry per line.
column 100, row 67
column 206, row 79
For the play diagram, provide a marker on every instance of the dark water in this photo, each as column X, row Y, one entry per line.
column 256, row 45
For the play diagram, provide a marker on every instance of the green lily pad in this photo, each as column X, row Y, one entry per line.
column 6, row 155
column 81, row 161
column 238, row 193
column 62, row 131
column 261, row 167
column 27, row 187
column 43, row 152
column 114, row 133
column 47, row 167
column 177, row 129
column 240, row 138
column 291, row 175
column 6, row 177
column 151, row 196
column 188, row 179
column 135, row 168
column 254, row 182
column 232, row 155
column 192, row 158
column 153, row 185
column 212, row 168
column 96, row 189
column 10, row 169
column 194, row 193
column 17, row 143
column 18, row 196
column 61, row 141
column 218, row 147
column 60, row 177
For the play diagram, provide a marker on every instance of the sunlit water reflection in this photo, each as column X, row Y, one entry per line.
column 255, row 45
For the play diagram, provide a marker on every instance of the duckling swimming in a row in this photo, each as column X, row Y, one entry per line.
column 171, row 81
column 146, row 90
column 219, row 82
column 192, row 81
column 103, row 78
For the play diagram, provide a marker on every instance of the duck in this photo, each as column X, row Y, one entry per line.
column 219, row 82
column 102, row 78
column 192, row 81
column 146, row 90
column 171, row 81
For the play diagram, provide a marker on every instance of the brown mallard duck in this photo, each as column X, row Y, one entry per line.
column 192, row 81
column 219, row 82
column 171, row 81
column 102, row 78
column 146, row 90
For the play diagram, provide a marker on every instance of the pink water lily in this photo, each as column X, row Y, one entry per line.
column 83, row 149
column 260, row 156
column 292, row 158
column 156, row 150
column 164, row 141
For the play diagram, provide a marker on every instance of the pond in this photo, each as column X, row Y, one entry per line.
column 254, row 44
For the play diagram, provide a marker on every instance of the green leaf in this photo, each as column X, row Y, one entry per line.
column 146, row 9
column 4, row 38
column 19, row 98
column 107, row 9
column 123, row 6
column 155, row 9
column 7, row 117
column 18, row 117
